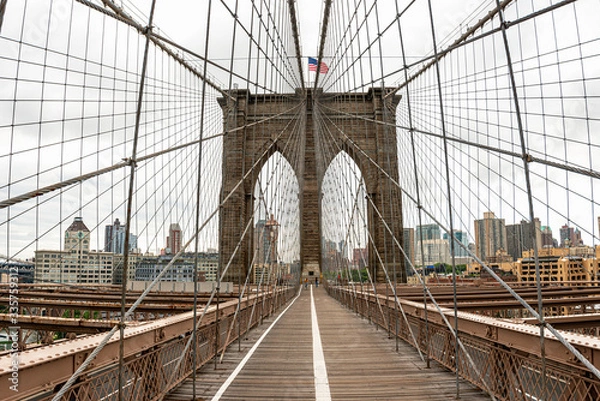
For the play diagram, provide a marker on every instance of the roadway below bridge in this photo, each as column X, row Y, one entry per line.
column 319, row 350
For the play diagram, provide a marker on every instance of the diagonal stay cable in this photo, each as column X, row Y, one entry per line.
column 222, row 275
column 383, row 264
column 325, row 24
column 119, row 14
column 522, row 301
column 133, row 307
column 588, row 172
column 53, row 187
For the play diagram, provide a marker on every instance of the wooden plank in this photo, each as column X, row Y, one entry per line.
column 362, row 363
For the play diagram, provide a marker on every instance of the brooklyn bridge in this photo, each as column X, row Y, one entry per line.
column 299, row 200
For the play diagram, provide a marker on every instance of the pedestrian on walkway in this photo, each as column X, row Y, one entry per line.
column 317, row 282
column 306, row 282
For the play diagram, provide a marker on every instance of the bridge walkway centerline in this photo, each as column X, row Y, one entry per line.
column 361, row 362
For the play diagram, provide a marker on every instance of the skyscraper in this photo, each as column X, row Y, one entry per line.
column 434, row 251
column 265, row 240
column 462, row 238
column 548, row 240
column 570, row 236
column 490, row 236
column 271, row 226
column 519, row 238
column 114, row 238
column 174, row 239
column 428, row 231
column 110, row 233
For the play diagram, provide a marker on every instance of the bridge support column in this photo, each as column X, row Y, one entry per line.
column 235, row 213
column 253, row 145
column 373, row 146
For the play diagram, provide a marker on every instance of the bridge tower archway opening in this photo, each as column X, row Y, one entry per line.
column 299, row 126
column 344, row 222
column 275, row 232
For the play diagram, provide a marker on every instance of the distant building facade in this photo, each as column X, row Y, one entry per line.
column 408, row 242
column 490, row 236
column 519, row 237
column 114, row 238
column 434, row 251
column 360, row 258
column 182, row 269
column 24, row 270
column 76, row 264
column 560, row 265
column 133, row 260
column 569, row 236
column 460, row 237
column 427, row 232
column 548, row 240
column 174, row 239
column 265, row 241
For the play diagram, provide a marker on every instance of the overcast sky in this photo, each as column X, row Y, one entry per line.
column 114, row 55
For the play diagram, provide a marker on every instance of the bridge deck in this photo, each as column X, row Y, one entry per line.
column 361, row 363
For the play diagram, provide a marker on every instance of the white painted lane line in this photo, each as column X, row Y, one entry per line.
column 243, row 362
column 321, row 381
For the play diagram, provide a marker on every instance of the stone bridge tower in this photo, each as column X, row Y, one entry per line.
column 257, row 126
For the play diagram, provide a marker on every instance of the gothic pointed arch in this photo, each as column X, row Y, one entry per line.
column 257, row 126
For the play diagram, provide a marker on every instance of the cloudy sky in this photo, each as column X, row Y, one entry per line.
column 83, row 90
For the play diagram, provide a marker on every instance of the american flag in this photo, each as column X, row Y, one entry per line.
column 312, row 66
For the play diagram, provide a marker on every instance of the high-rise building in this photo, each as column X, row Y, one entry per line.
column 461, row 237
column 434, row 251
column 114, row 238
column 570, row 236
column 265, row 241
column 174, row 239
column 490, row 236
column 261, row 242
column 408, row 242
column 427, row 231
column 109, row 235
column 343, row 248
column 272, row 227
column 519, row 238
column 548, row 240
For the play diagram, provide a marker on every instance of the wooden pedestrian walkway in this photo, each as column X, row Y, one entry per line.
column 356, row 362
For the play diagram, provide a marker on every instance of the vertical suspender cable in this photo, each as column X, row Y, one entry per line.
column 449, row 194
column 198, row 198
column 132, row 164
column 417, row 186
column 526, row 160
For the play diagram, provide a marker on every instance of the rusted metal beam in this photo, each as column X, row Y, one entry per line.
column 43, row 369
column 89, row 297
column 520, row 337
column 571, row 322
column 94, row 305
column 45, row 323
column 492, row 304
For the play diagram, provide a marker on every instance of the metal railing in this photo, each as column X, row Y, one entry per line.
column 152, row 354
column 506, row 355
